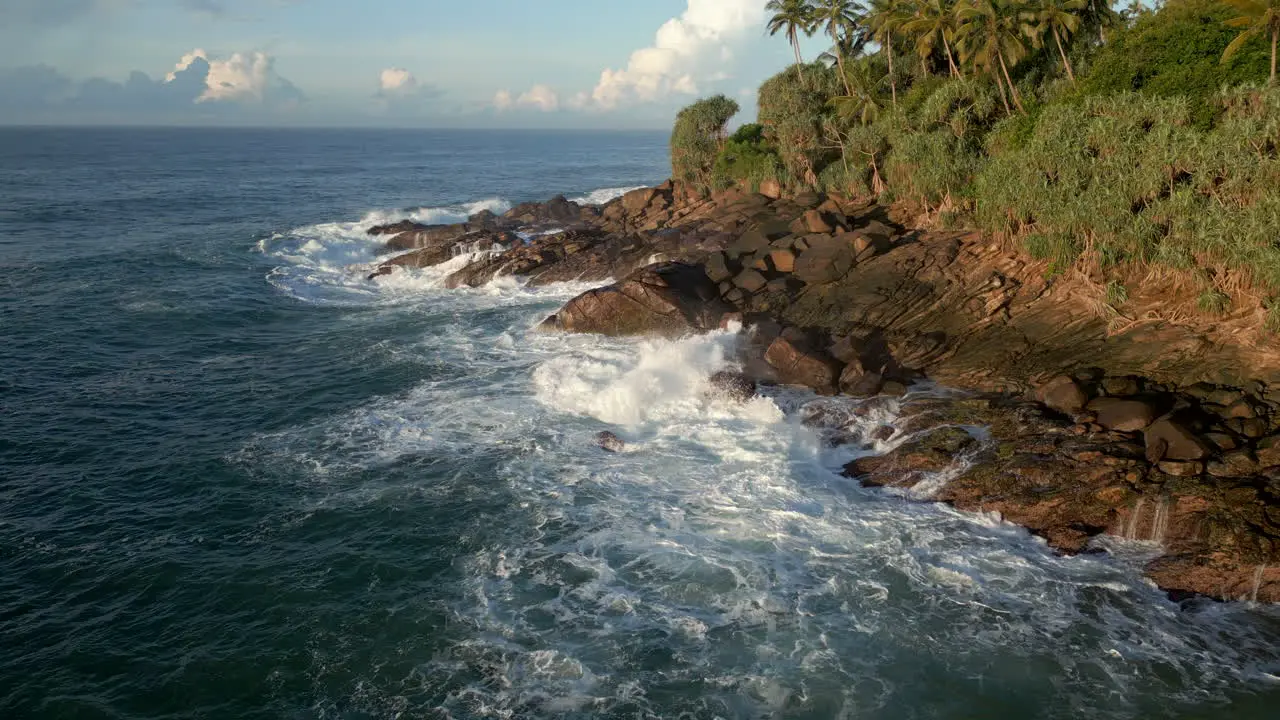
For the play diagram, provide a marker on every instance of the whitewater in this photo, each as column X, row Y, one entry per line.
column 720, row 566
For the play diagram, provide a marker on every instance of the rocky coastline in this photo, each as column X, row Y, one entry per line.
column 1154, row 427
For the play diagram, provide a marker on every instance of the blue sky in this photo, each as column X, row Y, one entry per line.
column 402, row 63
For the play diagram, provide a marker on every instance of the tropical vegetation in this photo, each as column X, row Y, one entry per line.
column 1112, row 141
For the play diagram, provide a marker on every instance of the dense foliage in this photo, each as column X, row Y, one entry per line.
column 698, row 136
column 1127, row 139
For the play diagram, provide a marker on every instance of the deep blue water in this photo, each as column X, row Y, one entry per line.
column 239, row 480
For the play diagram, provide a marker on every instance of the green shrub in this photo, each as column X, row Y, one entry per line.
column 793, row 111
column 1177, row 52
column 697, row 136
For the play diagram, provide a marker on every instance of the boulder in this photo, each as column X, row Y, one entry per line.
column 824, row 262
column 933, row 452
column 1268, row 452
column 719, row 268
column 750, row 281
column 637, row 200
column 610, row 442
column 783, row 260
column 396, row 228
column 1063, row 394
column 1123, row 414
column 771, row 189
column 812, row 222
column 667, row 299
column 733, row 385
column 799, row 360
column 1169, row 439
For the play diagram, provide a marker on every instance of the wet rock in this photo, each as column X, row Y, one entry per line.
column 733, row 385
column 666, row 299
column 1063, row 394
column 610, row 442
column 719, row 268
column 798, row 359
column 1178, row 468
column 933, row 452
column 396, row 228
column 1124, row 415
column 1268, row 452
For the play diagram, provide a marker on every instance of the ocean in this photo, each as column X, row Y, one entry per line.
column 240, row 480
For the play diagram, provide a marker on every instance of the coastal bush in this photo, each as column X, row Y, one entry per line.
column 697, row 137
column 1131, row 177
column 793, row 111
column 1177, row 52
column 747, row 159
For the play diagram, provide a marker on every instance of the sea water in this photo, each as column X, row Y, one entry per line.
column 239, row 479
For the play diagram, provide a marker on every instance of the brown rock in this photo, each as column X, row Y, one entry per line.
column 667, row 299
column 638, row 200
column 771, row 189
column 814, row 222
column 1063, row 394
column 1122, row 385
column 824, row 262
column 1181, row 468
column 798, row 360
column 719, row 268
column 1240, row 463
column 783, row 260
column 750, row 281
column 1178, row 442
column 1125, row 415
column 1268, row 452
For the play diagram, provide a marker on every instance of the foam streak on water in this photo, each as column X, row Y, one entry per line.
column 719, row 566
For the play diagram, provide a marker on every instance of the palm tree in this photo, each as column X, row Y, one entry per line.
column 934, row 20
column 886, row 20
column 860, row 103
column 1060, row 17
column 839, row 19
column 991, row 33
column 1258, row 18
column 791, row 17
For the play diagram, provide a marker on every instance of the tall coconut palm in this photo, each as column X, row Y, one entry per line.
column 791, row 17
column 840, row 20
column 934, row 20
column 886, row 19
column 1060, row 18
column 1258, row 18
column 991, row 33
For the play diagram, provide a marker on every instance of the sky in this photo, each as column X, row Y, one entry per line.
column 607, row 64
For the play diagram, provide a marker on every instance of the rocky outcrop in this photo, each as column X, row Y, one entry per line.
column 665, row 299
column 1101, row 422
column 1072, row 483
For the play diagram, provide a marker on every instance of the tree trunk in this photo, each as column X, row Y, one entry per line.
column 840, row 64
column 1012, row 89
column 1065, row 62
column 1275, row 36
column 893, row 82
column 1003, row 98
column 947, row 46
column 795, row 45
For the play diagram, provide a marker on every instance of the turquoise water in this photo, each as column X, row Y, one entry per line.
column 239, row 480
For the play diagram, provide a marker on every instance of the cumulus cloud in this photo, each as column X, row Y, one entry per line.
column 539, row 97
column 242, row 77
column 400, row 92
column 687, row 50
column 241, row 84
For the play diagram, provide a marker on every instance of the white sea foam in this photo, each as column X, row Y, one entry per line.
column 721, row 553
column 604, row 195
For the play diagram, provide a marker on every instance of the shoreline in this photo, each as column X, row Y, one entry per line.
column 1152, row 428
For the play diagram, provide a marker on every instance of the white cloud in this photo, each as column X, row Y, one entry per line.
column 242, row 77
column 396, row 81
column 686, row 50
column 539, row 97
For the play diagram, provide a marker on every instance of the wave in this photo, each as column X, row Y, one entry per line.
column 604, row 195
